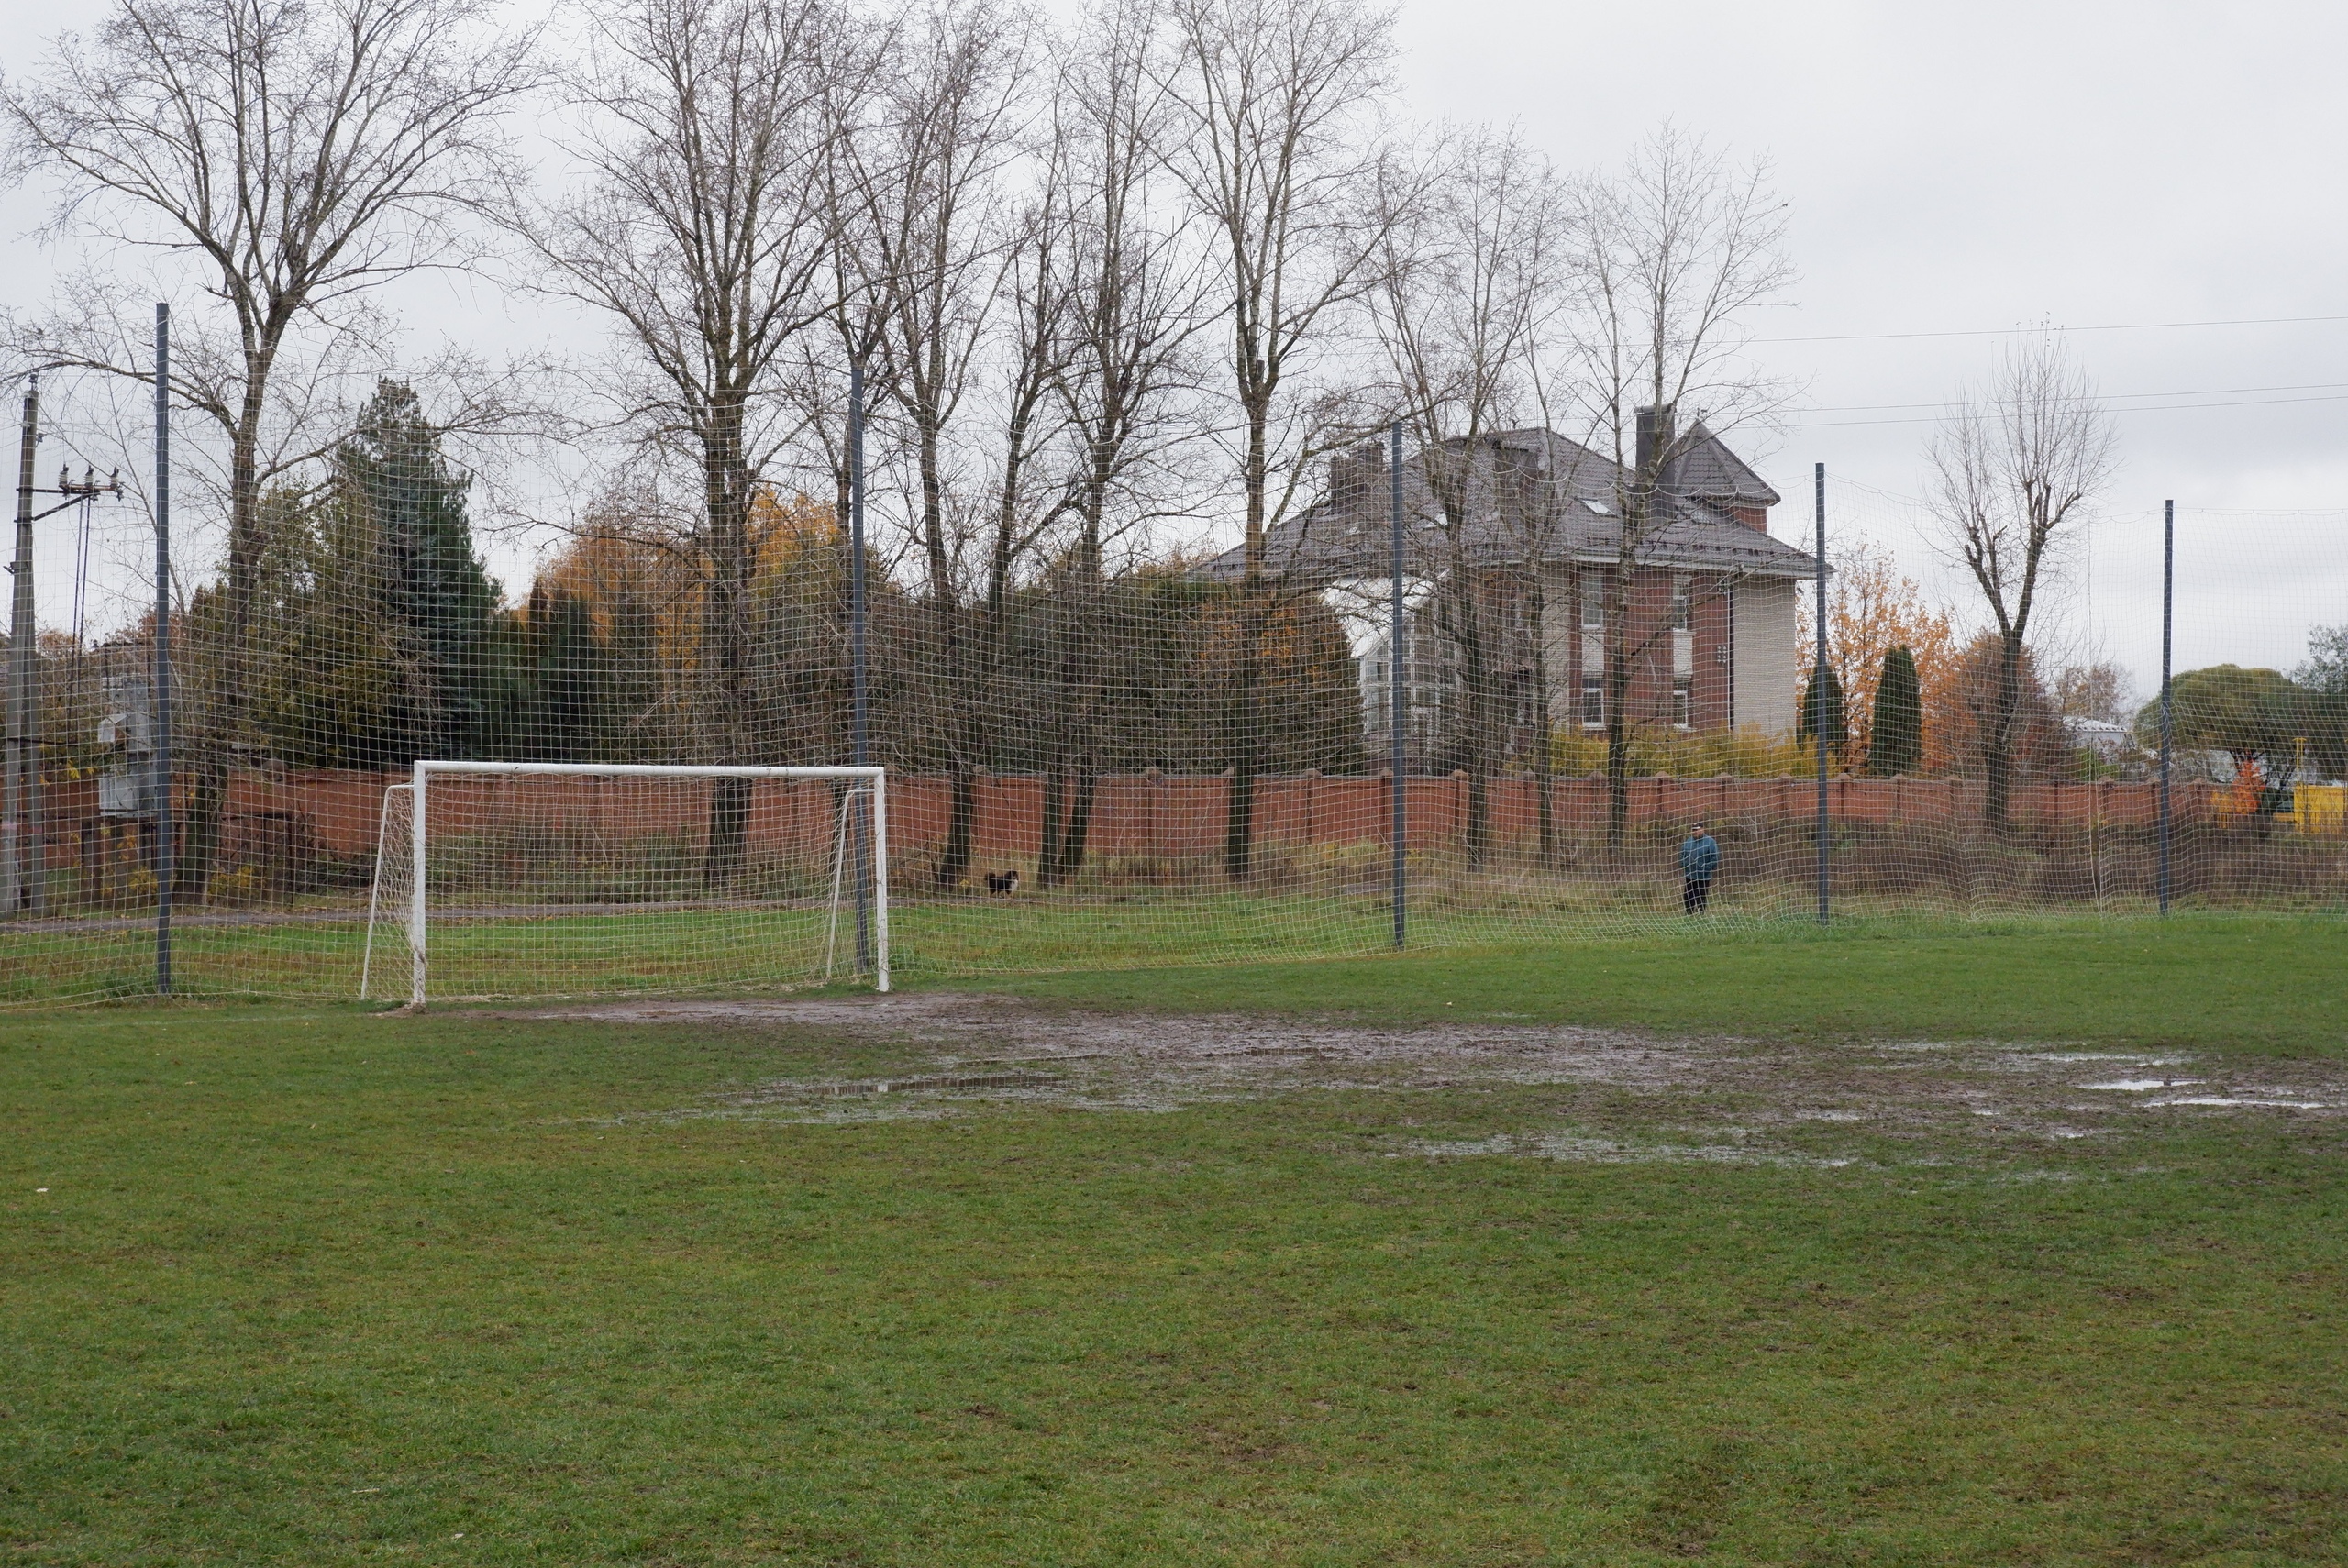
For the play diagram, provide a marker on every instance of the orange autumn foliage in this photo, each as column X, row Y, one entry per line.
column 1870, row 609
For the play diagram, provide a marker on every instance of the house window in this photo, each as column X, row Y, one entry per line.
column 1683, row 655
column 1593, row 652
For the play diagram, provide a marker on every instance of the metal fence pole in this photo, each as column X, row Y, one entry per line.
column 1818, row 706
column 1398, row 690
column 160, row 792
column 2169, row 622
column 20, row 793
column 859, row 744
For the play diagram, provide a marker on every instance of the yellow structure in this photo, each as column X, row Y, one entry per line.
column 2320, row 807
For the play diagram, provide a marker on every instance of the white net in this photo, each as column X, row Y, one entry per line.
column 548, row 879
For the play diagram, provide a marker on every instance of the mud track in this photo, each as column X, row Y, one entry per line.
column 1624, row 1094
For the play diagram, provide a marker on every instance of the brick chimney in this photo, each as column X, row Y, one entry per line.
column 1654, row 428
column 1353, row 482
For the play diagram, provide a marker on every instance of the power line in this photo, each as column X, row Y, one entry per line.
column 2101, row 397
column 2151, row 408
column 2009, row 331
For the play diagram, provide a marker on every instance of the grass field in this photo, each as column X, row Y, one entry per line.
column 316, row 954
column 307, row 1286
column 2266, row 984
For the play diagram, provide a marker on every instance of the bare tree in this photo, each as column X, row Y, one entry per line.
column 294, row 156
column 1677, row 248
column 1468, row 279
column 939, row 251
column 702, row 235
column 1271, row 135
column 1130, row 313
column 2014, row 473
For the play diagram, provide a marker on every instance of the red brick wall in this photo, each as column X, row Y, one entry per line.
column 1136, row 815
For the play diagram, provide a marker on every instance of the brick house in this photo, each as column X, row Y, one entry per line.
column 1523, row 561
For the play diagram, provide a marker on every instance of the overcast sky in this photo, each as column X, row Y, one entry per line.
column 1959, row 172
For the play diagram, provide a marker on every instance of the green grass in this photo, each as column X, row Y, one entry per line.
column 1760, row 966
column 312, row 1288
column 2271, row 984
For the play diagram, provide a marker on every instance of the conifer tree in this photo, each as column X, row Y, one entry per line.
column 571, row 681
column 1822, row 712
column 1898, row 745
column 437, row 601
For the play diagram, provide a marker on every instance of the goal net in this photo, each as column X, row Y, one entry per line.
column 510, row 879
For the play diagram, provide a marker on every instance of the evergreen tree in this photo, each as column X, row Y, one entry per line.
column 1896, row 745
column 1821, row 711
column 571, row 681
column 438, row 601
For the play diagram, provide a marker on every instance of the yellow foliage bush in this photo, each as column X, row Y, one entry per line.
column 1744, row 753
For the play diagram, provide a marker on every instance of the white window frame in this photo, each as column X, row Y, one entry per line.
column 1593, row 651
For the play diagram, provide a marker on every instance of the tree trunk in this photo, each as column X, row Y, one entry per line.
column 1544, row 811
column 1085, row 788
column 221, row 724
column 1476, row 755
column 725, row 633
column 1243, row 745
column 1242, row 749
column 1999, row 754
column 1048, row 852
column 1618, row 702
column 1068, row 797
column 962, row 826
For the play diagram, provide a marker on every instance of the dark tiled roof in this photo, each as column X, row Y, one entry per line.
column 1345, row 534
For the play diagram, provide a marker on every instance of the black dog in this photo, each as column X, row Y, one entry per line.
column 1004, row 881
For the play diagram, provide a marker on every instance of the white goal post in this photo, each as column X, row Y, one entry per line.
column 867, row 783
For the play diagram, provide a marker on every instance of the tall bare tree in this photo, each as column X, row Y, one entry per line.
column 943, row 254
column 1678, row 248
column 1272, row 134
column 1130, row 314
column 2015, row 471
column 1468, row 283
column 702, row 235
column 291, row 157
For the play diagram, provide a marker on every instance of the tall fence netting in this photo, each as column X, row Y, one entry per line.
column 1170, row 757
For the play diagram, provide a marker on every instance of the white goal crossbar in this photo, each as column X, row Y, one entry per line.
column 871, row 782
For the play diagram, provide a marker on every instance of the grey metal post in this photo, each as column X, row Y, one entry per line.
column 1818, row 706
column 2168, row 608
column 859, row 747
column 160, row 794
column 1398, row 690
column 20, row 880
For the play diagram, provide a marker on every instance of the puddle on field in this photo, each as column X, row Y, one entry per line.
column 970, row 1055
column 2132, row 1058
column 1608, row 1151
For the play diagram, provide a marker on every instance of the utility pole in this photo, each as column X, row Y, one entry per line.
column 159, row 798
column 1398, row 690
column 21, row 880
column 24, row 851
column 2168, row 618
column 1818, row 707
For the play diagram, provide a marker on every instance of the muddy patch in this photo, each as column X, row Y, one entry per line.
column 1623, row 1096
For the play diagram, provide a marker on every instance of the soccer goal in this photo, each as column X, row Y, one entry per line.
column 539, row 878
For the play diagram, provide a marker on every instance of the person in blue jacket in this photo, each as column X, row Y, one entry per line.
column 1700, row 857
